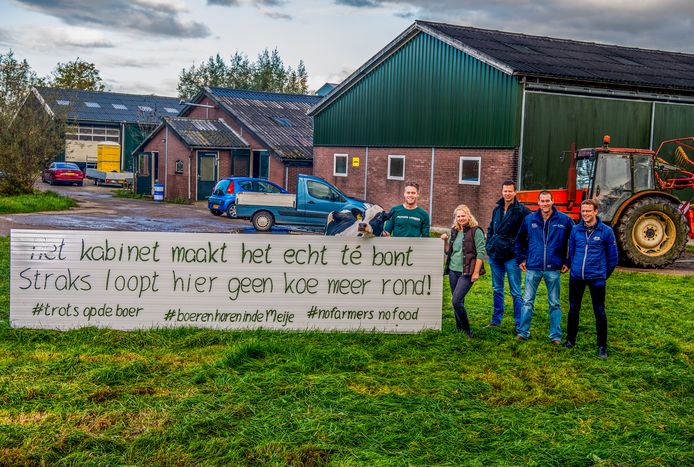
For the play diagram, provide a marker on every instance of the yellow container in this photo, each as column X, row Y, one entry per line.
column 108, row 157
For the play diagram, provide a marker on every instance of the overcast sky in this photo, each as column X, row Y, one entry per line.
column 140, row 46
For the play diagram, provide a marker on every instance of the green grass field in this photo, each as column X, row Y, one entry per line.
column 36, row 202
column 196, row 397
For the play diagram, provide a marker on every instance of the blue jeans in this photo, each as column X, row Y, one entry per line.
column 532, row 281
column 460, row 286
column 499, row 269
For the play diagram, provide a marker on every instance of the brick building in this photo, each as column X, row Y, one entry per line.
column 187, row 155
column 276, row 127
column 460, row 109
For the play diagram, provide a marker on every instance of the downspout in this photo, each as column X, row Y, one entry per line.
column 431, row 185
column 190, row 172
column 166, row 161
column 652, row 125
column 122, row 147
column 366, row 171
column 522, row 140
column 286, row 176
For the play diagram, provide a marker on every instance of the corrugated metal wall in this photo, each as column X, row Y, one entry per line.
column 673, row 121
column 134, row 135
column 426, row 94
column 554, row 121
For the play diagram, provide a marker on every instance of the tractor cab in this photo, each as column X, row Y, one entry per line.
column 613, row 176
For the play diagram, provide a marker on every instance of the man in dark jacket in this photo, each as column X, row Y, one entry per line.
column 541, row 251
column 501, row 238
column 593, row 257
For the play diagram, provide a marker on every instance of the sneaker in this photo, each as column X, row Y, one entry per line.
column 492, row 325
column 471, row 335
column 602, row 352
column 556, row 342
column 520, row 338
column 569, row 345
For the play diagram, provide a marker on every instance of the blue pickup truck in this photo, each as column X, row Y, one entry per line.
column 314, row 199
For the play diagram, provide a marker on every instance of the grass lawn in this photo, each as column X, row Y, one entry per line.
column 35, row 202
column 196, row 397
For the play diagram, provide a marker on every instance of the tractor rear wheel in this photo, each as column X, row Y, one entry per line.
column 651, row 233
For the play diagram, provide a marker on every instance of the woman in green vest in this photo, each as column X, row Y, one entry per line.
column 465, row 255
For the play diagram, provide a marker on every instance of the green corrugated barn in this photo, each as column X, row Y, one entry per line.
column 459, row 108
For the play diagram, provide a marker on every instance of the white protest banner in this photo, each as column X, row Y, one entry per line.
column 131, row 280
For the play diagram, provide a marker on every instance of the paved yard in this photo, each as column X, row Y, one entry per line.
column 99, row 210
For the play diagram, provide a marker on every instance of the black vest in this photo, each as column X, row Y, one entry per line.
column 469, row 251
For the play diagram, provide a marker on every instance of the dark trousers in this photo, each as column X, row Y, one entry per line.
column 577, row 288
column 460, row 286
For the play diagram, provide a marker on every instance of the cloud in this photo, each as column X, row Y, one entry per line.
column 6, row 38
column 223, row 2
column 128, row 62
column 276, row 15
column 73, row 37
column 263, row 6
column 359, row 3
column 653, row 24
column 146, row 17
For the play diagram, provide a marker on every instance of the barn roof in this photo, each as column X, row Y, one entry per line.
column 585, row 61
column 546, row 58
column 279, row 120
column 107, row 107
column 199, row 133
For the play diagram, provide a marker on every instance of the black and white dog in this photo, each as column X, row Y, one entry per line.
column 355, row 223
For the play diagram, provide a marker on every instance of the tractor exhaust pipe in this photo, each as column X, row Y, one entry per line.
column 571, row 177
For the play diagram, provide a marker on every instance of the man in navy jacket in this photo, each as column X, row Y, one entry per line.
column 507, row 218
column 541, row 251
column 593, row 257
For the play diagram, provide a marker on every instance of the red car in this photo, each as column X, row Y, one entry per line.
column 63, row 172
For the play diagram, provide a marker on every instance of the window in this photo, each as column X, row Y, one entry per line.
column 171, row 110
column 265, row 187
column 89, row 133
column 119, row 106
column 145, row 108
column 340, row 165
column 93, row 105
column 396, row 167
column 179, row 166
column 62, row 102
column 469, row 171
column 324, row 192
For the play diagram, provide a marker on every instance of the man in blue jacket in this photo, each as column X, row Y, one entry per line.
column 507, row 218
column 593, row 257
column 541, row 251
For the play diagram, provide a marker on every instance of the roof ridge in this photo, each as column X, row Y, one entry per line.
column 53, row 88
column 552, row 39
column 263, row 92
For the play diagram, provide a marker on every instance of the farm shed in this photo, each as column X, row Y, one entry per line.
column 276, row 127
column 187, row 155
column 96, row 117
column 461, row 109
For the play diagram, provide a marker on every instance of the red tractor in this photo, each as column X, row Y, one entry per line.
column 633, row 190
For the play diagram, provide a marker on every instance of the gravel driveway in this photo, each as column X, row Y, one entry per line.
column 99, row 210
